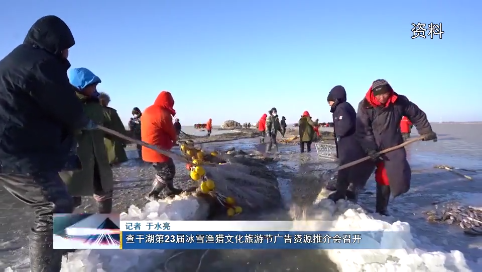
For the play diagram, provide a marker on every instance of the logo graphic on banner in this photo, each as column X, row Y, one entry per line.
column 87, row 231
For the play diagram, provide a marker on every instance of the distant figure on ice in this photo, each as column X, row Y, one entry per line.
column 177, row 126
column 262, row 127
column 348, row 148
column 249, row 125
column 283, row 126
column 39, row 115
column 96, row 176
column 209, row 126
column 157, row 129
column 316, row 128
column 405, row 128
column 378, row 120
column 135, row 128
column 306, row 131
column 114, row 145
column 273, row 126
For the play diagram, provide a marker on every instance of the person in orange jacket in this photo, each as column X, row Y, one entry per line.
column 209, row 126
column 405, row 127
column 262, row 127
column 157, row 129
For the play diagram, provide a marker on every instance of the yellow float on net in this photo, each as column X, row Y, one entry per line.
column 200, row 170
column 200, row 155
column 210, row 184
column 230, row 201
column 214, row 153
column 195, row 162
column 183, row 147
column 195, row 176
column 231, row 212
column 204, row 188
column 238, row 209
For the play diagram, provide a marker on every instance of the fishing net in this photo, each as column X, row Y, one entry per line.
column 326, row 151
column 234, row 179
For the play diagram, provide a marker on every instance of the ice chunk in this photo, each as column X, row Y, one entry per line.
column 341, row 216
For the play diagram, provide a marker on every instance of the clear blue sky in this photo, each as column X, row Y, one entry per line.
column 237, row 59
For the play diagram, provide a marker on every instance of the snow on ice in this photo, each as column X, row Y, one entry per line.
column 345, row 215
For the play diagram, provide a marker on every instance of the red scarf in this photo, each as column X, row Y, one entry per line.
column 370, row 97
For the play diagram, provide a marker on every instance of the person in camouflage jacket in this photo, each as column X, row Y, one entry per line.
column 135, row 128
column 272, row 127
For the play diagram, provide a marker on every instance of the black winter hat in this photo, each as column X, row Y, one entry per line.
column 381, row 86
column 272, row 110
column 136, row 110
column 330, row 97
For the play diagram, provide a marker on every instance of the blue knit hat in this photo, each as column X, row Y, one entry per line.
column 82, row 77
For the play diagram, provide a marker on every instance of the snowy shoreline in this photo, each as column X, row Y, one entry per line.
column 344, row 215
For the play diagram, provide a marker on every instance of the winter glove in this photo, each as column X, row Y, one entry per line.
column 90, row 125
column 430, row 136
column 374, row 156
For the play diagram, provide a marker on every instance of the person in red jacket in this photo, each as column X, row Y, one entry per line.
column 405, row 127
column 209, row 126
column 157, row 129
column 262, row 127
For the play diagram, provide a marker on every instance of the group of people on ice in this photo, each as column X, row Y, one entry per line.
column 375, row 126
column 53, row 153
column 384, row 119
column 53, row 150
column 271, row 125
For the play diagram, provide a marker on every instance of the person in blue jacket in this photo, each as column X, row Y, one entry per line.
column 347, row 146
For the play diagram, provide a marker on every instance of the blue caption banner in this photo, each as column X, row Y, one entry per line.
column 257, row 240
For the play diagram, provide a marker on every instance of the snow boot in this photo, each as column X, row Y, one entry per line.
column 172, row 191
column 382, row 199
column 157, row 186
column 105, row 206
column 43, row 258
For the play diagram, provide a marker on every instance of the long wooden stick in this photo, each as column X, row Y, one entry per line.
column 135, row 141
column 411, row 141
column 457, row 173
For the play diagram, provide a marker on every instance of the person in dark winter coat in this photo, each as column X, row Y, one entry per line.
column 39, row 115
column 307, row 132
column 177, row 126
column 378, row 128
column 135, row 128
column 283, row 126
column 273, row 126
column 348, row 148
